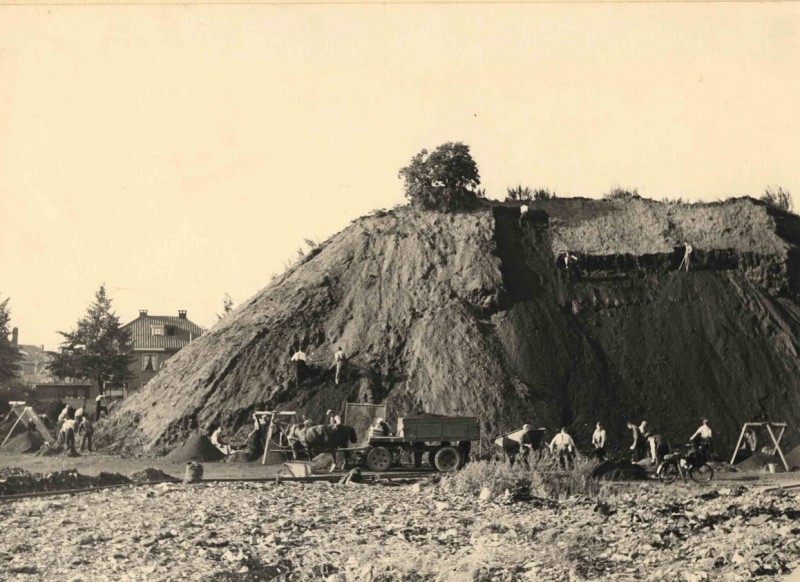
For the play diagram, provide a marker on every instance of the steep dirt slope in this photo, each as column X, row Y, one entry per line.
column 469, row 314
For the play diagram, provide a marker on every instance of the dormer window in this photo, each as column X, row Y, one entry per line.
column 157, row 330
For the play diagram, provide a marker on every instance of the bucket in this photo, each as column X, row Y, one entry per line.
column 194, row 472
column 771, row 467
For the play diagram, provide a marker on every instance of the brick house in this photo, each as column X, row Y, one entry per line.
column 155, row 339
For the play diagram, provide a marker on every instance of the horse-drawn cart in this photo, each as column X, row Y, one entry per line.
column 446, row 439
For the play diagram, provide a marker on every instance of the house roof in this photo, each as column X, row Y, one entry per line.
column 184, row 331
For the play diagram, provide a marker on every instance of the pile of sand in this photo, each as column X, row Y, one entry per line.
column 149, row 475
column 793, row 458
column 197, row 447
column 758, row 461
column 26, row 442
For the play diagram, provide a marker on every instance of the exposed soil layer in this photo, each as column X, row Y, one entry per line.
column 471, row 314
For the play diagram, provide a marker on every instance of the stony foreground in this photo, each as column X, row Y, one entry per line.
column 291, row 531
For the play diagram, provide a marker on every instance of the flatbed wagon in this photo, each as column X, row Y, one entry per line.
column 446, row 439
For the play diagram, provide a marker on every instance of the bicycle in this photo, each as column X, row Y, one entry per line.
column 695, row 463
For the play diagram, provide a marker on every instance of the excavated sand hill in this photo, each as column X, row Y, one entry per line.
column 469, row 314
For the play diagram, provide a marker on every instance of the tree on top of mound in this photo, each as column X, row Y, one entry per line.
column 98, row 349
column 446, row 179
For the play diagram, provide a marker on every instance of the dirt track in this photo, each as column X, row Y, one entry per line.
column 260, row 531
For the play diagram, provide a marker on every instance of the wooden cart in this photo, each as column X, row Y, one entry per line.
column 445, row 438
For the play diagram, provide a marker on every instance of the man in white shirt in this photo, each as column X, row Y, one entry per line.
column 523, row 213
column 599, row 442
column 705, row 434
column 563, row 447
column 217, row 441
column 299, row 358
column 687, row 257
column 68, row 430
column 338, row 360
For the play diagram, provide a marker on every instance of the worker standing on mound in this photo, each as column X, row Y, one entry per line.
column 563, row 447
column 687, row 257
column 523, row 214
column 300, row 365
column 338, row 361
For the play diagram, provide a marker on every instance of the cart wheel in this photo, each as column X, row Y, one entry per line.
column 447, row 459
column 668, row 472
column 379, row 459
column 701, row 474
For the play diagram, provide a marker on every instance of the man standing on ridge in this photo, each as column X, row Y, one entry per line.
column 523, row 214
column 687, row 257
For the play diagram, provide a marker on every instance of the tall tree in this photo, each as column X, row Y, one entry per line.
column 98, row 349
column 446, row 179
column 9, row 354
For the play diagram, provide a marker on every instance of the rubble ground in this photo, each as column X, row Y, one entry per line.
column 296, row 531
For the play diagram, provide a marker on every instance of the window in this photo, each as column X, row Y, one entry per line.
column 170, row 330
column 156, row 330
column 149, row 363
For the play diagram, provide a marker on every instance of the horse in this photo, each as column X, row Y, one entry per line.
column 322, row 439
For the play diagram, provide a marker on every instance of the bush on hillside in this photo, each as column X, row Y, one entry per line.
column 617, row 193
column 780, row 199
column 524, row 193
column 446, row 179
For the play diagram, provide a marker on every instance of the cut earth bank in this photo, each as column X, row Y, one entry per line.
column 469, row 314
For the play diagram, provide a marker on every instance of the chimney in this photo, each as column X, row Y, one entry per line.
column 142, row 313
column 14, row 337
column 182, row 313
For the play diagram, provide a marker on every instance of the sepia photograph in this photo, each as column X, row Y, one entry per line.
column 400, row 292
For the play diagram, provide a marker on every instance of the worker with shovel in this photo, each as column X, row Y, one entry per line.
column 687, row 257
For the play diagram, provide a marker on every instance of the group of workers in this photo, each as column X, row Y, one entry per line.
column 302, row 370
column 646, row 444
column 72, row 421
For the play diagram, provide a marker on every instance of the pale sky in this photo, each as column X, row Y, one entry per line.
column 178, row 153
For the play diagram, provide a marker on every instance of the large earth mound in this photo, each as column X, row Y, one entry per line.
column 471, row 314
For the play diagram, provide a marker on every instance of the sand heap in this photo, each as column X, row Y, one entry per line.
column 469, row 314
column 25, row 442
column 197, row 447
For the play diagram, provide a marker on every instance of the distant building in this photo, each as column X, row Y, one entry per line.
column 155, row 339
column 33, row 362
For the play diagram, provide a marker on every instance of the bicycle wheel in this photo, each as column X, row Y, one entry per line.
column 701, row 474
column 668, row 473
